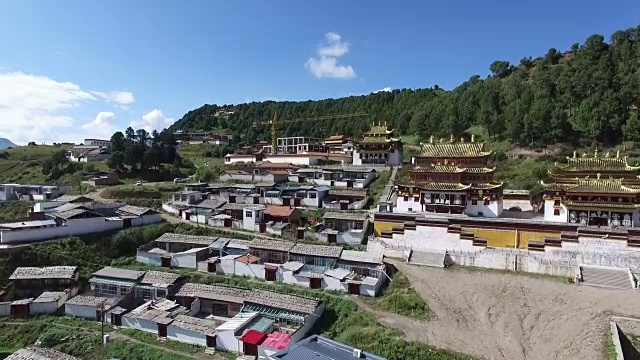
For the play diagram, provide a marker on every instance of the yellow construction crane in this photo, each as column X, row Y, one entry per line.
column 276, row 121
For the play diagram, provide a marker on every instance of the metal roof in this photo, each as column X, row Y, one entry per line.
column 204, row 326
column 214, row 292
column 338, row 273
column 49, row 272
column 186, row 239
column 260, row 323
column 318, row 347
column 28, row 224
column 271, row 245
column 118, row 273
column 39, row 353
column 238, row 321
column 293, row 266
column 209, row 204
column 87, row 300
column 70, row 214
column 372, row 257
column 356, row 216
column 317, row 250
column 136, row 210
column 159, row 278
column 48, row 296
column 348, row 192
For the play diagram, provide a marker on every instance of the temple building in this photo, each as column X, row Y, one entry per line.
column 451, row 177
column 594, row 190
column 379, row 146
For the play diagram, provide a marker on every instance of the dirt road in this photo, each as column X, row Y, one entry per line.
column 512, row 317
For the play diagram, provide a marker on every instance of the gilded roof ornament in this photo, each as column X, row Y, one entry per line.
column 598, row 176
column 452, row 139
column 431, row 139
column 473, row 138
column 617, row 154
column 607, row 154
column 575, row 154
column 441, row 140
column 462, row 139
column 584, row 154
column 595, row 153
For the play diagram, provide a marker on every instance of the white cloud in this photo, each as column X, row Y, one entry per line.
column 120, row 98
column 153, row 120
column 326, row 64
column 102, row 127
column 387, row 89
column 35, row 108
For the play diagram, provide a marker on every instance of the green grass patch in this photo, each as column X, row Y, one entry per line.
column 162, row 191
column 400, row 298
column 609, row 348
column 562, row 279
column 152, row 339
column 10, row 210
column 410, row 139
column 377, row 187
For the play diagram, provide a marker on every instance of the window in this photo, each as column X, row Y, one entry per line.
column 474, row 202
column 248, row 214
column 146, row 294
column 406, row 198
column 161, row 293
column 556, row 212
column 219, row 309
column 556, row 202
column 486, row 201
column 312, row 195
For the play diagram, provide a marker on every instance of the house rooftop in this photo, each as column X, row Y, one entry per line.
column 186, row 192
column 73, row 198
column 39, row 353
column 159, row 278
column 49, row 296
column 371, row 257
column 28, row 224
column 316, row 250
column 236, row 207
column 49, row 272
column 354, row 216
column 156, row 311
column 350, row 168
column 87, row 300
column 348, row 192
column 279, row 211
column 238, row 322
column 284, row 301
column 277, row 341
column 292, row 266
column 77, row 212
column 266, row 244
column 214, row 292
column 135, row 210
column 203, row 326
column 318, row 347
column 187, row 239
column 209, row 203
column 111, row 272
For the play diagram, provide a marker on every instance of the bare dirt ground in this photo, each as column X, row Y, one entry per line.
column 512, row 317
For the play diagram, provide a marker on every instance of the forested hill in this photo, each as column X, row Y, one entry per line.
column 589, row 93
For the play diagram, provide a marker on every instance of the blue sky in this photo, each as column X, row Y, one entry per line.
column 75, row 69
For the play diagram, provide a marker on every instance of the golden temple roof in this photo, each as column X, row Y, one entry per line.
column 602, row 205
column 380, row 129
column 431, row 185
column 377, row 140
column 487, row 186
column 591, row 185
column 452, row 169
column 596, row 163
column 453, row 149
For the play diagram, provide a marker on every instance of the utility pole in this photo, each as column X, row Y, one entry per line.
column 102, row 322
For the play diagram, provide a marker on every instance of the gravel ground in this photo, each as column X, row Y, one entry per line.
column 512, row 317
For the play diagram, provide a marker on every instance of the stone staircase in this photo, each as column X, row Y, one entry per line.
column 617, row 278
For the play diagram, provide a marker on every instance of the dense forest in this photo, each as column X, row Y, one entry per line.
column 585, row 95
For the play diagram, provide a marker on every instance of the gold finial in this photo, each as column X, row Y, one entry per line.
column 461, row 139
column 441, row 140
column 473, row 138
column 584, row 154
column 385, row 123
column 598, row 176
column 595, row 153
column 575, row 154
column 617, row 154
column 431, row 139
column 452, row 139
column 607, row 154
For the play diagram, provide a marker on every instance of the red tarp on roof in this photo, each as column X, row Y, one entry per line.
column 253, row 337
column 277, row 341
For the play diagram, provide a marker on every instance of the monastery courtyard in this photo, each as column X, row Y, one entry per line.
column 501, row 315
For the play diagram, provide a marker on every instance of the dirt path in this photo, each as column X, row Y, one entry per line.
column 511, row 317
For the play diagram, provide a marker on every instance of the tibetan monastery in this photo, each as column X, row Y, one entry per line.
column 594, row 190
column 379, row 146
column 451, row 177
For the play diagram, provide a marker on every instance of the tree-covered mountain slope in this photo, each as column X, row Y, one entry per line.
column 587, row 94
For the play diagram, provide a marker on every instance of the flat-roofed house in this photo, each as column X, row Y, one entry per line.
column 283, row 214
column 366, row 272
column 156, row 285
column 88, row 306
column 153, row 316
column 32, row 281
column 346, row 199
column 342, row 228
column 176, row 250
column 217, row 300
column 114, row 282
column 136, row 215
column 194, row 330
